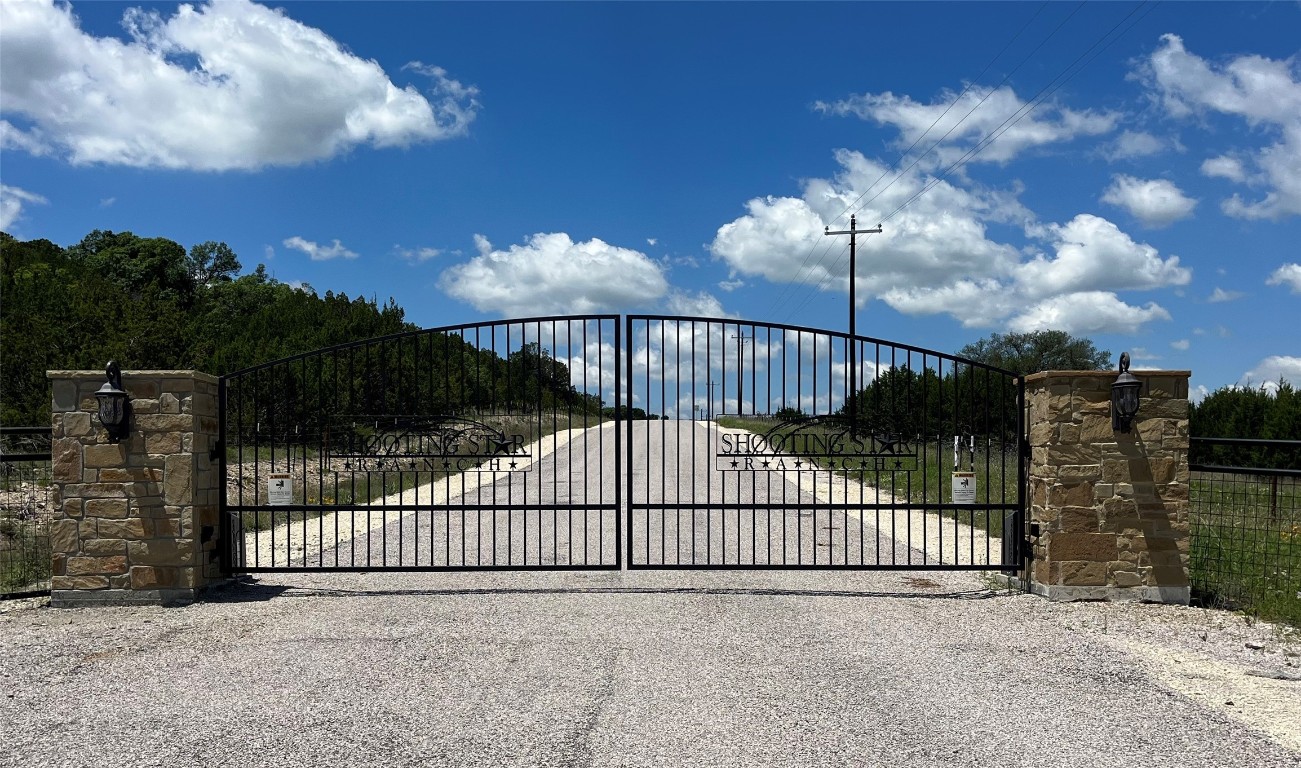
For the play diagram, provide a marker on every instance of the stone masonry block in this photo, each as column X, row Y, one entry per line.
column 104, row 547
column 107, row 508
column 163, row 442
column 153, row 577
column 168, row 552
column 76, row 424
column 65, row 457
column 178, row 476
column 87, row 566
column 63, row 536
column 1093, row 547
column 58, row 583
column 104, row 456
column 132, row 528
column 1082, row 574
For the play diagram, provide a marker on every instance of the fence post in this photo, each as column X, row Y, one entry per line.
column 1111, row 509
column 137, row 520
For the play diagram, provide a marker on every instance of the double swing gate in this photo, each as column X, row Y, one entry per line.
column 611, row 442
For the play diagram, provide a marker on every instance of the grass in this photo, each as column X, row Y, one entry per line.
column 1245, row 546
column 931, row 482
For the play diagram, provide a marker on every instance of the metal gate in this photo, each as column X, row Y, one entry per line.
column 479, row 446
column 522, row 444
column 776, row 446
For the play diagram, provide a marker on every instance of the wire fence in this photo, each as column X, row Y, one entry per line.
column 1245, row 548
column 26, row 511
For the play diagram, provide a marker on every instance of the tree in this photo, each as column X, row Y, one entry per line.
column 1027, row 353
column 212, row 263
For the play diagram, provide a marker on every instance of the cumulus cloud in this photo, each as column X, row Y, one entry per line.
column 217, row 86
column 552, row 274
column 1224, row 167
column 335, row 250
column 936, row 256
column 1093, row 254
column 1087, row 312
column 1155, row 202
column 978, row 113
column 700, row 304
column 12, row 200
column 1219, row 295
column 1180, row 345
column 1268, row 372
column 1132, row 144
column 1289, row 275
column 416, row 255
column 1266, row 93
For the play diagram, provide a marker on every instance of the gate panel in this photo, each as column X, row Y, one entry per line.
column 750, row 448
column 479, row 446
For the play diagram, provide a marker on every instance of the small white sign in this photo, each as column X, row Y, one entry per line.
column 964, row 487
column 280, row 488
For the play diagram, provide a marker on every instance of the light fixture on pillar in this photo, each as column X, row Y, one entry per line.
column 1124, row 397
column 114, row 404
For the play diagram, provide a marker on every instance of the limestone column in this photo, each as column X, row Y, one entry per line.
column 139, row 519
column 1111, row 508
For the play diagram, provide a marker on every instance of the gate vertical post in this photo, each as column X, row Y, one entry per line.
column 138, row 520
column 1110, row 509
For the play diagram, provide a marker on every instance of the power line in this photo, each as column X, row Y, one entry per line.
column 1052, row 87
column 789, row 287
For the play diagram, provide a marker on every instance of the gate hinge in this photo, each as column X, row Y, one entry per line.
column 217, row 449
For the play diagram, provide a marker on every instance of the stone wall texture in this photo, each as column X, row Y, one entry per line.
column 140, row 518
column 1111, row 508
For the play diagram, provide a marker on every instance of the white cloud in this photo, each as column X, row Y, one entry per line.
column 730, row 285
column 1131, row 144
column 1093, row 254
column 552, row 274
column 12, row 200
column 218, row 86
column 935, row 255
column 1155, row 202
column 1087, row 312
column 268, row 252
column 1220, row 295
column 336, row 250
column 1266, row 93
column 107, row 202
column 1198, row 393
column 416, row 255
column 1289, row 275
column 1141, row 353
column 652, row 241
column 1269, row 371
column 978, row 113
column 1180, row 345
column 1224, row 167
column 700, row 304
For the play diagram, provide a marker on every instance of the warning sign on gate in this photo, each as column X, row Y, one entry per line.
column 280, row 488
column 964, row 487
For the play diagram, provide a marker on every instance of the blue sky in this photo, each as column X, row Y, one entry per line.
column 1126, row 171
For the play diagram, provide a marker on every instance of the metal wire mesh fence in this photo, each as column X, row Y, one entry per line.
column 1245, row 549
column 26, row 511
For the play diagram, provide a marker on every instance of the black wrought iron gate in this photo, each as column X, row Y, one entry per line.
column 599, row 442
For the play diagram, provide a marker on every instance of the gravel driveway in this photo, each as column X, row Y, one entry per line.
column 644, row 668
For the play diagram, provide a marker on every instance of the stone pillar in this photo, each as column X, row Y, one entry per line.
column 138, row 520
column 1111, row 508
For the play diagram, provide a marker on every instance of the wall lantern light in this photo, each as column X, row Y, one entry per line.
column 1124, row 397
column 114, row 405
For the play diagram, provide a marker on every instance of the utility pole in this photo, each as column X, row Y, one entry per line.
column 741, row 341
column 709, row 409
column 853, row 233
